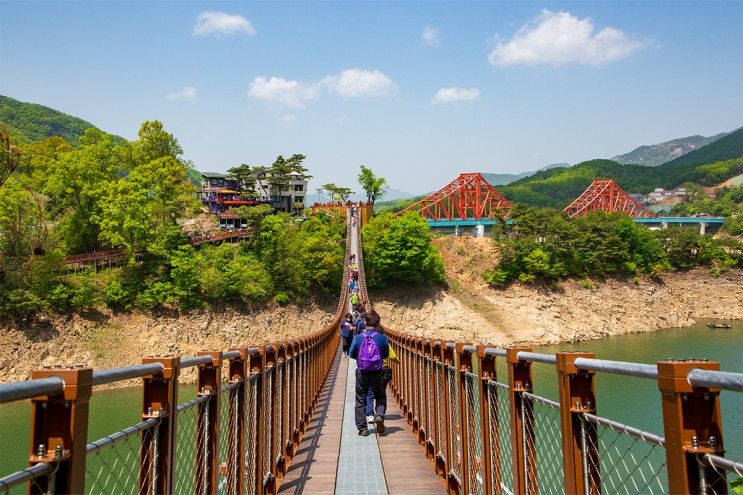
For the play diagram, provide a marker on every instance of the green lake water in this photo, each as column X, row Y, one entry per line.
column 634, row 401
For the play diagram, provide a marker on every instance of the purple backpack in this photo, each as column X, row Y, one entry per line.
column 369, row 357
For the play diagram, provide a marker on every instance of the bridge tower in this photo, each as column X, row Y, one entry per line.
column 606, row 195
column 468, row 197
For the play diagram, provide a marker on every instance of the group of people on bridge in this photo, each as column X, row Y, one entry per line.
column 364, row 340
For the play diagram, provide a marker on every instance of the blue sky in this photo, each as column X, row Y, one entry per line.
column 417, row 91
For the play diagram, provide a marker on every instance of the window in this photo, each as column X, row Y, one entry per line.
column 298, row 199
column 298, row 187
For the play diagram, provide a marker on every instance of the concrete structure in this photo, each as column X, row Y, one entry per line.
column 294, row 197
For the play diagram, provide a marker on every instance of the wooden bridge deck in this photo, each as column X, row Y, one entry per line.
column 329, row 460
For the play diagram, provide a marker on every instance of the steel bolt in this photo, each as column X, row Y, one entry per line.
column 694, row 442
column 577, row 404
column 588, row 405
column 712, row 441
column 41, row 450
column 149, row 411
column 58, row 451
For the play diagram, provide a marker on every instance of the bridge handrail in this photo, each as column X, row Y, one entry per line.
column 11, row 392
column 639, row 370
column 720, row 379
column 24, row 475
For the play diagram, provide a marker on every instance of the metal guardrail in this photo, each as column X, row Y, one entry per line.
column 492, row 437
column 234, row 437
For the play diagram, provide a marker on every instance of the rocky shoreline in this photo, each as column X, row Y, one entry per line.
column 569, row 312
column 106, row 339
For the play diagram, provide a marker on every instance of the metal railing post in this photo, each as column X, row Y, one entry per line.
column 464, row 365
column 442, row 447
column 160, row 400
column 59, row 431
column 268, row 478
column 209, row 383
column 448, row 358
column 580, row 457
column 417, row 387
column 427, row 398
column 486, row 372
column 281, row 402
column 522, row 436
column 238, row 373
column 693, row 427
column 258, row 368
column 294, row 412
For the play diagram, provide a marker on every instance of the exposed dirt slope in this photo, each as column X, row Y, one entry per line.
column 107, row 340
column 470, row 310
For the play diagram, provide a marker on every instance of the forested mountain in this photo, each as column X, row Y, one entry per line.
column 30, row 122
column 656, row 154
column 708, row 166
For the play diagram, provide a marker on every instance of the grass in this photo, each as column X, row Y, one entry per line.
column 102, row 339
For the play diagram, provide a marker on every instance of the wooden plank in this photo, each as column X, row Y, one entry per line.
column 313, row 468
column 405, row 464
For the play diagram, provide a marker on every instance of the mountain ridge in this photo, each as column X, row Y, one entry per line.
column 653, row 155
column 31, row 122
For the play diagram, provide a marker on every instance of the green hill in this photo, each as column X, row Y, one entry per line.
column 708, row 166
column 30, row 122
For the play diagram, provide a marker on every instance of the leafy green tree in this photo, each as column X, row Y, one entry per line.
column 374, row 186
column 246, row 177
column 280, row 174
column 399, row 249
column 145, row 204
column 337, row 193
column 154, row 143
column 77, row 184
column 10, row 155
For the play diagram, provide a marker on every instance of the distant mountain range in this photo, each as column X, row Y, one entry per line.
column 29, row 122
column 709, row 165
column 656, row 154
column 503, row 179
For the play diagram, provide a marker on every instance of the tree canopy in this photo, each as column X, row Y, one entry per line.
column 374, row 186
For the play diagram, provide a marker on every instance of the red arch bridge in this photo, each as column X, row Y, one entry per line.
column 470, row 201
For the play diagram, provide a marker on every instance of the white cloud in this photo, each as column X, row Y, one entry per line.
column 288, row 119
column 358, row 83
column 188, row 93
column 221, row 23
column 451, row 95
column 279, row 90
column 559, row 38
column 430, row 36
column 350, row 83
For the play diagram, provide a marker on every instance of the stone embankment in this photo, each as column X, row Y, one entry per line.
column 571, row 311
column 105, row 339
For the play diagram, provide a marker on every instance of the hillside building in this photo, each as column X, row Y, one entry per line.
column 294, row 197
column 219, row 193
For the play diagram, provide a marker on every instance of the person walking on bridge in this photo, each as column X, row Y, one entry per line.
column 369, row 349
column 347, row 333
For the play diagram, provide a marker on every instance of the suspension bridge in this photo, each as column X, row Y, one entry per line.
column 278, row 418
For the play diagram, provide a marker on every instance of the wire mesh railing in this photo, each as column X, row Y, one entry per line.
column 544, row 440
column 631, row 461
column 492, row 437
column 498, row 440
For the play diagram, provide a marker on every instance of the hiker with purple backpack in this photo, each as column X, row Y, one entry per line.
column 369, row 349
